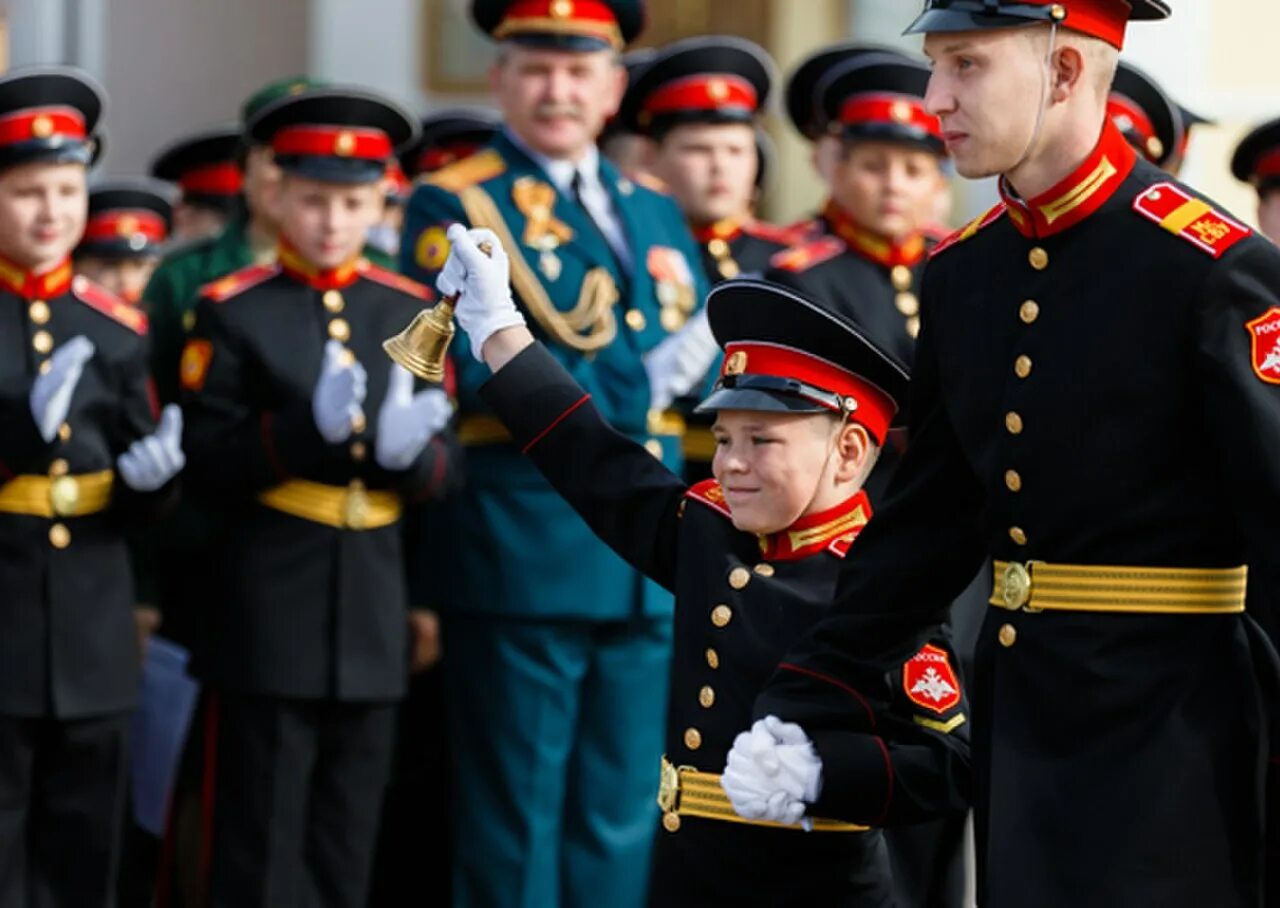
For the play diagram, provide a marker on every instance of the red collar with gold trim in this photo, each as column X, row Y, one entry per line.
column 833, row 529
column 726, row 229
column 871, row 245
column 302, row 271
column 1079, row 195
column 54, row 282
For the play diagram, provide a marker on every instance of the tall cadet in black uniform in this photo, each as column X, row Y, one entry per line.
column 801, row 406
column 309, row 444
column 78, row 467
column 1095, row 405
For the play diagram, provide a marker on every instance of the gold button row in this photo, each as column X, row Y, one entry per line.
column 721, row 615
column 713, row 658
column 739, row 577
column 1008, row 635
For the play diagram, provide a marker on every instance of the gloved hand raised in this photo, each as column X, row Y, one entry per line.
column 51, row 392
column 153, row 460
column 772, row 772
column 482, row 284
column 340, row 390
column 679, row 363
column 407, row 421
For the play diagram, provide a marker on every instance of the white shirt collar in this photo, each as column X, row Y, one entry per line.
column 560, row 170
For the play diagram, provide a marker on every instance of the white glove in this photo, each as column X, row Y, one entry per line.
column 339, row 393
column 152, row 461
column 773, row 773
column 679, row 363
column 51, row 392
column 482, row 284
column 407, row 421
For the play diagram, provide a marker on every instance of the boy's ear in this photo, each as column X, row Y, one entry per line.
column 854, row 446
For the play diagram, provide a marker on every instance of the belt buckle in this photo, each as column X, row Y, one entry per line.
column 64, row 495
column 355, row 507
column 1015, row 587
column 669, row 788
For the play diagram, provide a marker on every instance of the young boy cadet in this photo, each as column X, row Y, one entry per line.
column 802, row 405
column 309, row 444
column 129, row 223
column 81, row 461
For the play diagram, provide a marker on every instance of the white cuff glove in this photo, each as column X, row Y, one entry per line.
column 482, row 284
column 679, row 363
column 152, row 461
column 51, row 392
column 773, row 773
column 339, row 392
column 407, row 421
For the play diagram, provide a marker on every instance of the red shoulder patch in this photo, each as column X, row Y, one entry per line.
column 1193, row 219
column 808, row 228
column 709, row 493
column 968, row 230
column 774, row 233
column 110, row 305
column 805, row 256
column 237, row 282
column 1264, row 339
column 930, row 681
column 389, row 278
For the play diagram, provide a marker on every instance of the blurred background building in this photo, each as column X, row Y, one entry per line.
column 175, row 65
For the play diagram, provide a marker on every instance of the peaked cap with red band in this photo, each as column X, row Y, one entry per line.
column 579, row 25
column 784, row 353
column 1145, row 115
column 1257, row 157
column 881, row 97
column 449, row 135
column 802, row 104
column 48, row 114
column 1105, row 19
column 127, row 219
column 334, row 135
column 205, row 167
column 707, row 79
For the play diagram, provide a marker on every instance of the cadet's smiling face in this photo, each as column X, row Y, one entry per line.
column 888, row 187
column 557, row 101
column 775, row 468
column 710, row 169
column 985, row 90
column 327, row 222
column 42, row 213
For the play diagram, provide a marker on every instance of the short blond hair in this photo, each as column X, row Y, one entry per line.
column 1100, row 58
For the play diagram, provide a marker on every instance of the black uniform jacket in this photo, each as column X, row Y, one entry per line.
column 67, row 642
column 733, row 247
column 305, row 609
column 741, row 600
column 1097, row 383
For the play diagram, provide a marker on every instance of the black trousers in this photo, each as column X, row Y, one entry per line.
column 62, row 787
column 300, row 786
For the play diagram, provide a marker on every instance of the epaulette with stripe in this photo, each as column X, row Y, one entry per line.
column 389, row 278
column 774, row 233
column 238, row 282
column 650, row 182
column 709, row 493
column 810, row 253
column 969, row 229
column 103, row 300
column 481, row 166
column 805, row 229
column 1191, row 218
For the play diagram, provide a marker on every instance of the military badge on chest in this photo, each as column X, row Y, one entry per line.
column 542, row 230
column 673, row 282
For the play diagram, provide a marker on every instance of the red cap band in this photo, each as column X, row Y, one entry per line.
column 1268, row 165
column 704, row 91
column 1105, row 19
column 435, row 158
column 872, row 407
column 213, row 179
column 123, row 223
column 41, row 123
column 589, row 18
column 333, row 142
column 1121, row 110
column 901, row 110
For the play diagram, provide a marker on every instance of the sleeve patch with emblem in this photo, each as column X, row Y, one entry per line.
column 1264, row 337
column 930, row 682
column 194, row 366
column 1193, row 219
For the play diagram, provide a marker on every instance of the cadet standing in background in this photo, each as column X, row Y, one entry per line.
column 206, row 169
column 129, row 223
column 557, row 650
column 1257, row 162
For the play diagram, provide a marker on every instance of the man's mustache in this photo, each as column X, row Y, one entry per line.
column 547, row 111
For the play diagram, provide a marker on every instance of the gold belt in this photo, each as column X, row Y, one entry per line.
column 57, row 496
column 484, row 429
column 349, row 507
column 1041, row 587
column 686, row 792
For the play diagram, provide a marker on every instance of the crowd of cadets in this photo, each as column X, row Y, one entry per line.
column 334, row 530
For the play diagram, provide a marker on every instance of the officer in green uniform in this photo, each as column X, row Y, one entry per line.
column 556, row 651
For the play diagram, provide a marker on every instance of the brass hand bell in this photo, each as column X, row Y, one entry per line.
column 421, row 347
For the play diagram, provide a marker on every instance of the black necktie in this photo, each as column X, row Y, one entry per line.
column 576, row 187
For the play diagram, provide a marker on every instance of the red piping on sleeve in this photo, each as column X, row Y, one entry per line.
column 559, row 419
column 871, row 716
